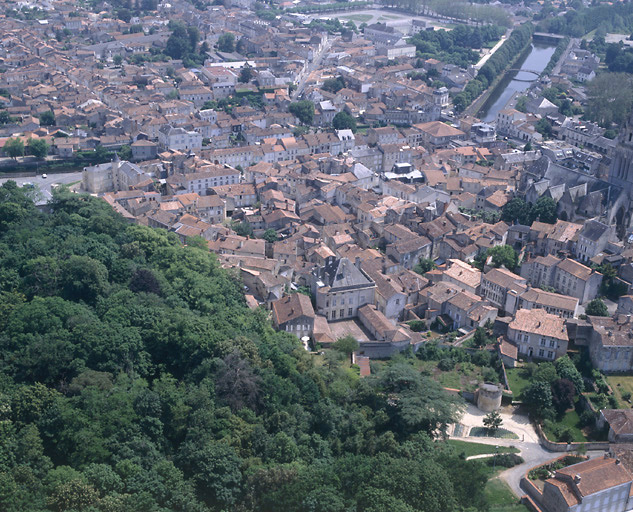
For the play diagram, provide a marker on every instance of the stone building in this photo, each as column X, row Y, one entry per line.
column 340, row 288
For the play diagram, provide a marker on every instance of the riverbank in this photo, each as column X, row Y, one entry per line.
column 477, row 106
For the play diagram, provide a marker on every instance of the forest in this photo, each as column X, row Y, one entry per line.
column 134, row 377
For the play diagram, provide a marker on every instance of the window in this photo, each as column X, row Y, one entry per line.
column 541, row 353
column 350, row 311
column 333, row 302
column 342, row 313
column 333, row 315
column 552, row 343
column 550, row 354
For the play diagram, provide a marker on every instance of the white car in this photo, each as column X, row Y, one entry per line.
column 44, row 175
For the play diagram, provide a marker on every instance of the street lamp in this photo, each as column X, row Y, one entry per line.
column 494, row 460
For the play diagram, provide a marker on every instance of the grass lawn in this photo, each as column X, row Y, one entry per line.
column 362, row 18
column 464, row 376
column 501, row 498
column 478, row 448
column 621, row 384
column 571, row 420
column 501, row 433
column 518, row 381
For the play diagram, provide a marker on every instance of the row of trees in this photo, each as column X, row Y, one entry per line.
column 483, row 14
column 495, row 65
column 14, row 147
column 134, row 377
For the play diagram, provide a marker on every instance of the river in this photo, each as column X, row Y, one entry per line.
column 536, row 60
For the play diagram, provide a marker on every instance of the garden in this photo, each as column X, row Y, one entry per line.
column 552, row 394
column 455, row 368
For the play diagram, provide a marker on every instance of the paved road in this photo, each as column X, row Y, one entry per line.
column 532, row 452
column 314, row 65
column 572, row 43
column 45, row 184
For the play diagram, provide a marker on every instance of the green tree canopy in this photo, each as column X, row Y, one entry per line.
column 38, row 147
column 503, row 255
column 47, row 118
column 343, row 121
column 226, row 42
column 14, row 147
column 302, row 110
column 597, row 307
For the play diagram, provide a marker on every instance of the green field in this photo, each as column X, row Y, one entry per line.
column 517, row 380
column 621, row 384
column 501, row 498
column 362, row 18
column 470, row 449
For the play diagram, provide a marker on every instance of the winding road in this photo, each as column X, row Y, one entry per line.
column 528, row 443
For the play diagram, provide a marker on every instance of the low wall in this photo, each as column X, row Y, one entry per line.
column 568, row 447
column 530, row 504
column 532, row 492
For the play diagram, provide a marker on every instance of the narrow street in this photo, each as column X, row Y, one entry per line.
column 314, row 65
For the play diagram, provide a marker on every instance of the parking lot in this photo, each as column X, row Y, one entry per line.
column 45, row 184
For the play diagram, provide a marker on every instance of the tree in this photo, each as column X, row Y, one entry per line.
column 538, row 398
column 302, row 110
column 270, row 235
column 246, row 74
column 47, row 118
column 544, row 127
column 493, row 422
column 117, row 60
column 226, row 42
column 610, row 98
column 14, row 147
column 424, row 265
column 480, row 338
column 38, row 147
column 5, row 118
column 597, row 307
column 237, row 384
column 333, row 85
column 566, row 369
column 544, row 210
column 343, row 121
column 516, row 210
column 125, row 153
column 347, row 345
column 563, row 393
column 503, row 255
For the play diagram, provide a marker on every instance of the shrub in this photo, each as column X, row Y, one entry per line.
column 587, row 418
column 446, row 364
column 506, row 460
column 417, row 325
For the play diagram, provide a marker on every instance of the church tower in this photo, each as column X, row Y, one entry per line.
column 620, row 194
column 621, row 172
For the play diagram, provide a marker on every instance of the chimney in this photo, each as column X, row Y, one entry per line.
column 577, row 479
column 618, row 462
column 357, row 262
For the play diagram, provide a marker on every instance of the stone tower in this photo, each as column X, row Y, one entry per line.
column 620, row 195
column 621, row 172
